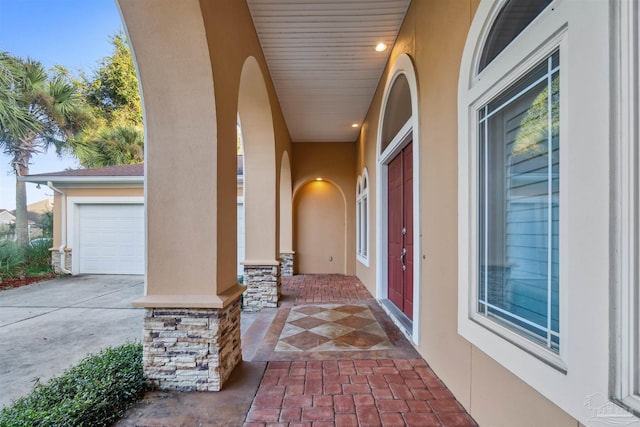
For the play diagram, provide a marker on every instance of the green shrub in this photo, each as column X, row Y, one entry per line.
column 38, row 258
column 96, row 392
column 11, row 259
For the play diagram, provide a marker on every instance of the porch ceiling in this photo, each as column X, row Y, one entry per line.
column 322, row 60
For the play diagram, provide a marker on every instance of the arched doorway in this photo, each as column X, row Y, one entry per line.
column 398, row 224
column 320, row 228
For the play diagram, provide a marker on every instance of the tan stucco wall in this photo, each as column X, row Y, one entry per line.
column 333, row 161
column 85, row 192
column 190, row 123
column 320, row 229
column 433, row 35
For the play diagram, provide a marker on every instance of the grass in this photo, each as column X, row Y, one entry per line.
column 96, row 392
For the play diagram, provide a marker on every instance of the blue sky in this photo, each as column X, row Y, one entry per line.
column 71, row 33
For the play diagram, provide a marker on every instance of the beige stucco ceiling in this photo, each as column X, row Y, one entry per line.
column 322, row 60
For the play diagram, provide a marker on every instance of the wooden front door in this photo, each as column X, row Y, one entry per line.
column 400, row 231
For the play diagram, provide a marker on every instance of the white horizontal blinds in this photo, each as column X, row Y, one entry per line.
column 519, row 208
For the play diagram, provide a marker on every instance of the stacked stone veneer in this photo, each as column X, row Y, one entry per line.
column 55, row 260
column 191, row 349
column 287, row 264
column 263, row 286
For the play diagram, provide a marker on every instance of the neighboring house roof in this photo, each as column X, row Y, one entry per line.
column 6, row 217
column 41, row 207
column 122, row 174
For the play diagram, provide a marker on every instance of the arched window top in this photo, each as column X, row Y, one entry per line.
column 512, row 19
column 397, row 110
column 365, row 180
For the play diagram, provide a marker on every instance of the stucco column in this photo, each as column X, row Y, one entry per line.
column 192, row 298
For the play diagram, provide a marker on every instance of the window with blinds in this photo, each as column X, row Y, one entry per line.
column 519, row 160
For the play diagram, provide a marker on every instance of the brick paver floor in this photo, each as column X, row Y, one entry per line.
column 324, row 288
column 345, row 389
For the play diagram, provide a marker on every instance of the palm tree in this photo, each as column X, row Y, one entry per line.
column 120, row 144
column 13, row 119
column 52, row 112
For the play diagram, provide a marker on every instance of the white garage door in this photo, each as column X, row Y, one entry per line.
column 110, row 239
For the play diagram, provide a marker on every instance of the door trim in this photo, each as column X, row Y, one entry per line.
column 410, row 131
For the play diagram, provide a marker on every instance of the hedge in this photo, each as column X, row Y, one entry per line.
column 96, row 392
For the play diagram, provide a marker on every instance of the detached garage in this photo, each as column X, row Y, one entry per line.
column 98, row 219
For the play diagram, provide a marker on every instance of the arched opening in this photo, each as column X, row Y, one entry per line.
column 240, row 200
column 256, row 126
column 286, row 217
column 398, row 219
column 261, row 267
column 320, row 228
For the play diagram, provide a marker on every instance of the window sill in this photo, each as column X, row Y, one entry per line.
column 362, row 260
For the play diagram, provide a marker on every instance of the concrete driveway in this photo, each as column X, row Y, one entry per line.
column 49, row 326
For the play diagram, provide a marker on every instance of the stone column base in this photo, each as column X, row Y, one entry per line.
column 287, row 263
column 55, row 260
column 263, row 286
column 191, row 349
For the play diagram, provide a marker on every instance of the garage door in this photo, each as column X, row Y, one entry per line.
column 110, row 239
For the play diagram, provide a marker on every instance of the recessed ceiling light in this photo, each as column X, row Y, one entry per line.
column 318, row 179
column 355, row 125
column 381, row 47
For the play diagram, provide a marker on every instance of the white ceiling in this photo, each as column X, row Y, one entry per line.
column 322, row 60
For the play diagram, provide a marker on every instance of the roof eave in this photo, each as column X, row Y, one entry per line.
column 44, row 179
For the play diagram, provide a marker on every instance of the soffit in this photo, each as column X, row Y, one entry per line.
column 322, row 60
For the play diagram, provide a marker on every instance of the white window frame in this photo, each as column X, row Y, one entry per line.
column 491, row 82
column 577, row 379
column 362, row 219
column 509, row 333
column 626, row 221
column 359, row 218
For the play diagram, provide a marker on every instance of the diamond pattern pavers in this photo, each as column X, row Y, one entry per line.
column 332, row 327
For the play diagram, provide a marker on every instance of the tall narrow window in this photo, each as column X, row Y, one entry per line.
column 518, row 182
column 362, row 218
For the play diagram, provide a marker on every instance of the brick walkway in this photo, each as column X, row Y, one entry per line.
column 348, row 390
column 324, row 288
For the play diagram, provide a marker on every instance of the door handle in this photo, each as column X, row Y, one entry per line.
column 403, row 254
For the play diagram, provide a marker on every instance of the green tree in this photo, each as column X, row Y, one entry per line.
column 114, row 89
column 115, row 135
column 117, row 145
column 49, row 110
column 13, row 119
